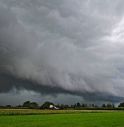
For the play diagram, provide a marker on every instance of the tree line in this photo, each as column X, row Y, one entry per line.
column 77, row 106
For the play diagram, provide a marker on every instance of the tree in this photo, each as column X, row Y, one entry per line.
column 78, row 104
column 33, row 105
column 84, row 105
column 46, row 105
column 29, row 104
column 8, row 106
column 26, row 104
column 103, row 105
column 121, row 104
column 110, row 106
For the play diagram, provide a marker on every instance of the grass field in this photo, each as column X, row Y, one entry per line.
column 62, row 118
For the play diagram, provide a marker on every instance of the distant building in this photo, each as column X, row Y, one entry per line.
column 53, row 107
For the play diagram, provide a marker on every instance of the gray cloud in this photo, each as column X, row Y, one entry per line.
column 65, row 46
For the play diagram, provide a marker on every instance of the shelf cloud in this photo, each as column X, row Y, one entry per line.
column 67, row 46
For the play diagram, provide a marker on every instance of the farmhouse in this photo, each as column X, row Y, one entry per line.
column 53, row 107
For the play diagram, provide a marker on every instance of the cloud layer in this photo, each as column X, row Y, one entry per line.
column 62, row 46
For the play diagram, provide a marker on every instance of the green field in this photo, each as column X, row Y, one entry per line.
column 62, row 118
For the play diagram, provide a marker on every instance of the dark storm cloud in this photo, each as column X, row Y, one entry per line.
column 66, row 46
column 11, row 83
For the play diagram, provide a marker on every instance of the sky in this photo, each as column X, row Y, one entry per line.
column 61, row 50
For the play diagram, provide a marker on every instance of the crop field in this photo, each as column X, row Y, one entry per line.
column 60, row 118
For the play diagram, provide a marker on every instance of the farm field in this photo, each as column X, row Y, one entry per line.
column 61, row 118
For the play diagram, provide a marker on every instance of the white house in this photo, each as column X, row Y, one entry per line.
column 53, row 107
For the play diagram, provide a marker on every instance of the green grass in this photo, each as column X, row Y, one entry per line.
column 64, row 119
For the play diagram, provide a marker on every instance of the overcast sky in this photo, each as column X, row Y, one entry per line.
column 64, row 50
